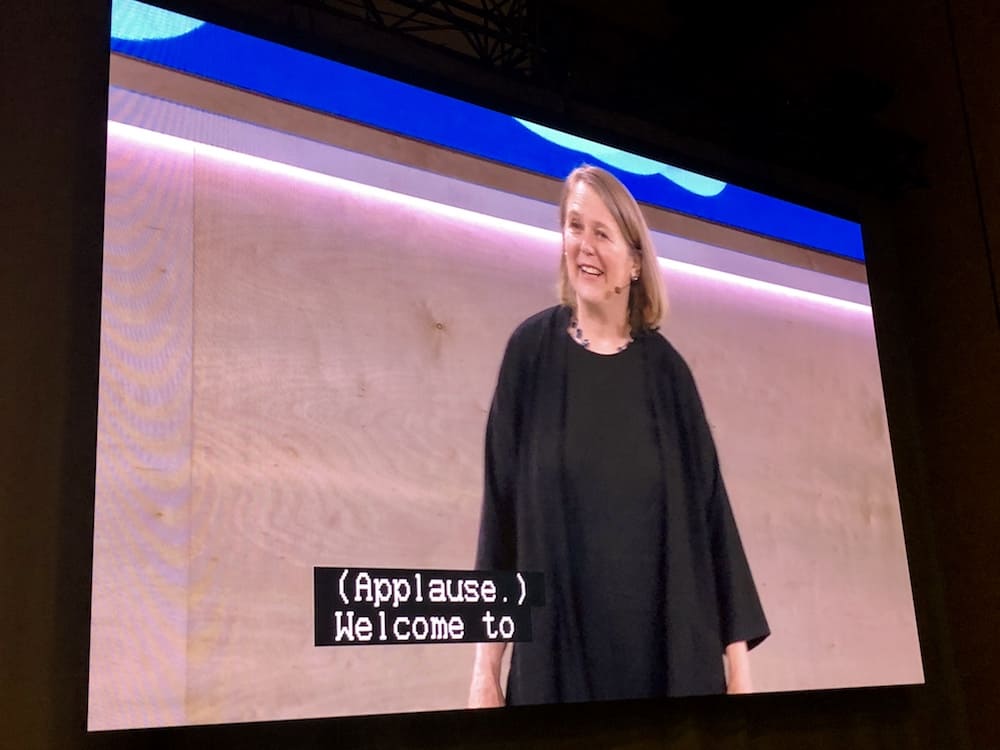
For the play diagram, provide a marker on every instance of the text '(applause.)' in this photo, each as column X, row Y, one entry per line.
column 379, row 606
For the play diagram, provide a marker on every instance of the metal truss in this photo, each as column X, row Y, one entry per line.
column 500, row 33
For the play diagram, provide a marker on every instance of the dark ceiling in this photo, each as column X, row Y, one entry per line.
column 665, row 78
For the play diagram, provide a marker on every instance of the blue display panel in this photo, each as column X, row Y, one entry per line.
column 245, row 62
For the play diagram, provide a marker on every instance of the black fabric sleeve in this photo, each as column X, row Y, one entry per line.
column 741, row 616
column 497, row 549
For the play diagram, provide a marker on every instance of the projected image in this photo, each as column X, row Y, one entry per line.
column 339, row 474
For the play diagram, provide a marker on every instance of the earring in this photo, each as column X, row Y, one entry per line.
column 635, row 277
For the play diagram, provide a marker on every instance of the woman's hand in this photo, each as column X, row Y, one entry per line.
column 485, row 691
column 738, row 660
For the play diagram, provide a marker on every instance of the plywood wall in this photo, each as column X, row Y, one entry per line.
column 143, row 484
column 319, row 366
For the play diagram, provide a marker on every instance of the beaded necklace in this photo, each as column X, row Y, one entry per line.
column 585, row 342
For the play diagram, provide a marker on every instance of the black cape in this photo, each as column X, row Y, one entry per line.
column 710, row 598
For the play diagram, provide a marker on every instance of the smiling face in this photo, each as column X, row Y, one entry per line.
column 598, row 258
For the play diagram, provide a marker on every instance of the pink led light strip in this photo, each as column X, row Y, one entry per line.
column 768, row 287
column 174, row 143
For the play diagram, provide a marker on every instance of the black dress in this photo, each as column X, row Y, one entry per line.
column 614, row 512
column 674, row 574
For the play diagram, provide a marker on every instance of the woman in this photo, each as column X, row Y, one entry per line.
column 601, row 473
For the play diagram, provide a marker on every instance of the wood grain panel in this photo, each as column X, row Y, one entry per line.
column 139, row 620
column 346, row 348
column 346, row 352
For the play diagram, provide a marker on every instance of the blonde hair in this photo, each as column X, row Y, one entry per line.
column 647, row 299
